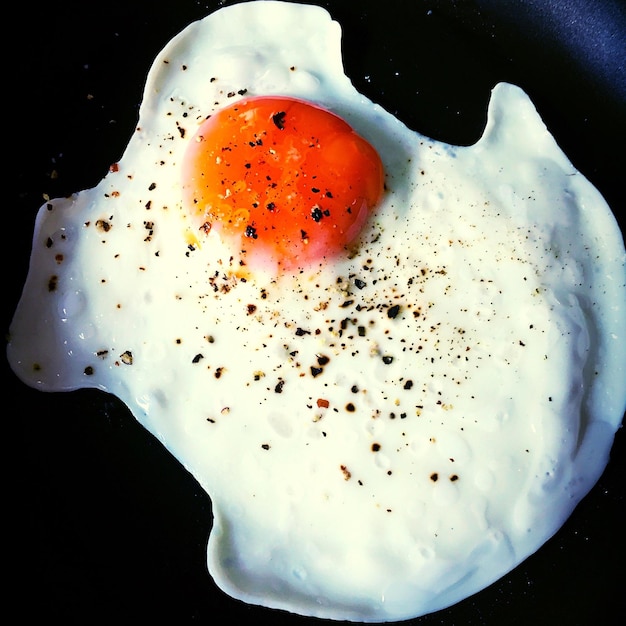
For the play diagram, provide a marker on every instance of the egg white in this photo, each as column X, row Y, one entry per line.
column 508, row 330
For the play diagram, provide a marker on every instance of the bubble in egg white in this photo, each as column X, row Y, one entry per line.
column 72, row 305
column 274, row 79
column 382, row 460
column 499, row 336
column 280, row 424
column 62, row 235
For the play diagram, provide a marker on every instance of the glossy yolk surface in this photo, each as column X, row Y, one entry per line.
column 282, row 179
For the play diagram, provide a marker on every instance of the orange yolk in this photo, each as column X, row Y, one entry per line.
column 282, row 179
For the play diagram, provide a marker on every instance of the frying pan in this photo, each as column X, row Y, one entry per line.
column 107, row 526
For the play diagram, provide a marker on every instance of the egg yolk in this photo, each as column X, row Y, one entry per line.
column 282, row 179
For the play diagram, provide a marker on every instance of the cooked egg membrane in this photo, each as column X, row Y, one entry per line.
column 385, row 434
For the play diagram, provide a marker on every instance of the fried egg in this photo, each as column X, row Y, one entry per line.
column 389, row 424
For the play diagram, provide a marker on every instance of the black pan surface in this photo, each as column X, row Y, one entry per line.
column 108, row 527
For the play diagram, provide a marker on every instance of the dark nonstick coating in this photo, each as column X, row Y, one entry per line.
column 107, row 527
